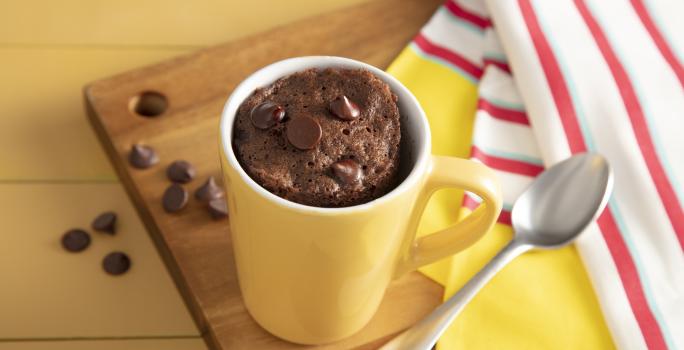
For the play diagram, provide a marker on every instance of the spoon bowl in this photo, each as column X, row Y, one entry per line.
column 562, row 201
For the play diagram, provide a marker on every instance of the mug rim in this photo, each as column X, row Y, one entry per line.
column 250, row 83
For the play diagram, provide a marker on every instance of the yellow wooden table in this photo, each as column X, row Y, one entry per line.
column 54, row 175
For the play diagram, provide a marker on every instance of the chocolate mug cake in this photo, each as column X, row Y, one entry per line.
column 321, row 137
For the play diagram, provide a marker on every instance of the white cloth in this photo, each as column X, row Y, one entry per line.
column 603, row 76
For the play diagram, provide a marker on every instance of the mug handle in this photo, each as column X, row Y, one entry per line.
column 450, row 172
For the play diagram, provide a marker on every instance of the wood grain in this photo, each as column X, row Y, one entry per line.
column 196, row 249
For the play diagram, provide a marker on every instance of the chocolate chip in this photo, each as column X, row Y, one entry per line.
column 209, row 190
column 105, row 222
column 180, row 171
column 116, row 263
column 267, row 114
column 142, row 156
column 347, row 171
column 75, row 240
column 175, row 198
column 218, row 208
column 344, row 108
column 304, row 132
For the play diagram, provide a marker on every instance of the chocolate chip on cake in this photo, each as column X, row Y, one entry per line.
column 116, row 263
column 218, row 208
column 209, row 190
column 180, row 171
column 304, row 132
column 75, row 240
column 105, row 222
column 344, row 108
column 333, row 115
column 347, row 171
column 142, row 156
column 175, row 198
column 267, row 114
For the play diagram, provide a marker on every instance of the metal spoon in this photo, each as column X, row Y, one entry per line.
column 559, row 204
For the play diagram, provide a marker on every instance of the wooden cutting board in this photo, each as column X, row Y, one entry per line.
column 196, row 249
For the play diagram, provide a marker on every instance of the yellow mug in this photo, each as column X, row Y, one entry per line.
column 315, row 275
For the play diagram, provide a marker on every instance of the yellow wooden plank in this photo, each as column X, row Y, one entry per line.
column 119, row 344
column 44, row 134
column 150, row 22
column 50, row 293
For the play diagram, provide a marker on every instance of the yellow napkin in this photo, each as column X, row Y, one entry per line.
column 542, row 300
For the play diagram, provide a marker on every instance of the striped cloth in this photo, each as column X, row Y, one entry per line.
column 589, row 75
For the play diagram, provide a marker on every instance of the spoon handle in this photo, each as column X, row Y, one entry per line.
column 424, row 334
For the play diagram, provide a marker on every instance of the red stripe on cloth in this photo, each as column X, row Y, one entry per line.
column 509, row 115
column 452, row 57
column 631, row 282
column 554, row 78
column 668, row 197
column 502, row 65
column 658, row 39
column 470, row 203
column 505, row 218
column 467, row 15
column 507, row 165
